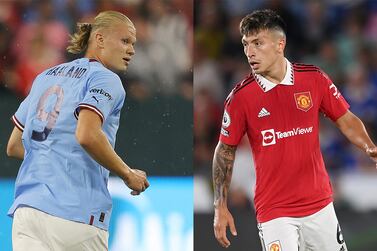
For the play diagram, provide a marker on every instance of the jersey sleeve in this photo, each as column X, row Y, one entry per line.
column 19, row 118
column 333, row 104
column 234, row 121
column 103, row 94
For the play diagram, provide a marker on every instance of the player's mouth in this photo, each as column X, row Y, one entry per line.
column 126, row 61
column 254, row 65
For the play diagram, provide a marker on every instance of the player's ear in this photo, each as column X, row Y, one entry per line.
column 281, row 44
column 99, row 40
column 280, row 40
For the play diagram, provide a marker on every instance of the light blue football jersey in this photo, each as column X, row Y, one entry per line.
column 57, row 175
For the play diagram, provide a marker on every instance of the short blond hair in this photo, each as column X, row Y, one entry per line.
column 80, row 39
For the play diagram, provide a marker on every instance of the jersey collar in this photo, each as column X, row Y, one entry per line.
column 267, row 85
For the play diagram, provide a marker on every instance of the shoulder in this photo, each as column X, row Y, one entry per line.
column 55, row 70
column 240, row 87
column 299, row 67
column 310, row 70
column 103, row 77
column 103, row 73
column 313, row 69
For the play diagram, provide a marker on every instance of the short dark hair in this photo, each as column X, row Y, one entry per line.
column 261, row 20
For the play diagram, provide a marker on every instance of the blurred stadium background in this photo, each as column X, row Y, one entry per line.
column 337, row 35
column 156, row 123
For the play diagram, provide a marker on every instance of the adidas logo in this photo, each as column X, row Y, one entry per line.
column 263, row 113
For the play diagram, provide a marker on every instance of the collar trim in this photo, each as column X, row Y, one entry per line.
column 267, row 85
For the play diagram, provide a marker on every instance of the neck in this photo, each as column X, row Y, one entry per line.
column 89, row 54
column 277, row 71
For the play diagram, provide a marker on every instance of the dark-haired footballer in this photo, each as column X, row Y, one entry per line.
column 278, row 107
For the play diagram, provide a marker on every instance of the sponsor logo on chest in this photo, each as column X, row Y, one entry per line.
column 270, row 137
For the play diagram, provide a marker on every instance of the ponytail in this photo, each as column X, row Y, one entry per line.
column 79, row 40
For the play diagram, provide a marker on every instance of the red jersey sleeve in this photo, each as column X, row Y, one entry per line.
column 333, row 104
column 234, row 121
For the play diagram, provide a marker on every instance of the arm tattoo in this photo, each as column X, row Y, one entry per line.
column 222, row 168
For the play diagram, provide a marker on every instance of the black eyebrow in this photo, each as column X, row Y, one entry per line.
column 252, row 41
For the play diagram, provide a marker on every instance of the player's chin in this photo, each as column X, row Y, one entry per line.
column 120, row 68
column 257, row 71
column 124, row 68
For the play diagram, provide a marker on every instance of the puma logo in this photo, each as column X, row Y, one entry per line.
column 95, row 99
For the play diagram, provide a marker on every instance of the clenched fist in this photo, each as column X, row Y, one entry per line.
column 137, row 181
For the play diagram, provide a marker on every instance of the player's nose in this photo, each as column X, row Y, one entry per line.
column 131, row 50
column 250, row 52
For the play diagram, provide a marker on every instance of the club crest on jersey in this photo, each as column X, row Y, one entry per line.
column 226, row 120
column 274, row 246
column 303, row 101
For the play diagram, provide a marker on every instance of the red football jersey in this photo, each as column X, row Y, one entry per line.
column 282, row 123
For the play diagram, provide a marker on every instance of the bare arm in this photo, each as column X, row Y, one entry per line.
column 90, row 136
column 353, row 128
column 15, row 148
column 223, row 161
column 222, row 169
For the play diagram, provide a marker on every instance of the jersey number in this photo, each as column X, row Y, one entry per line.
column 45, row 121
